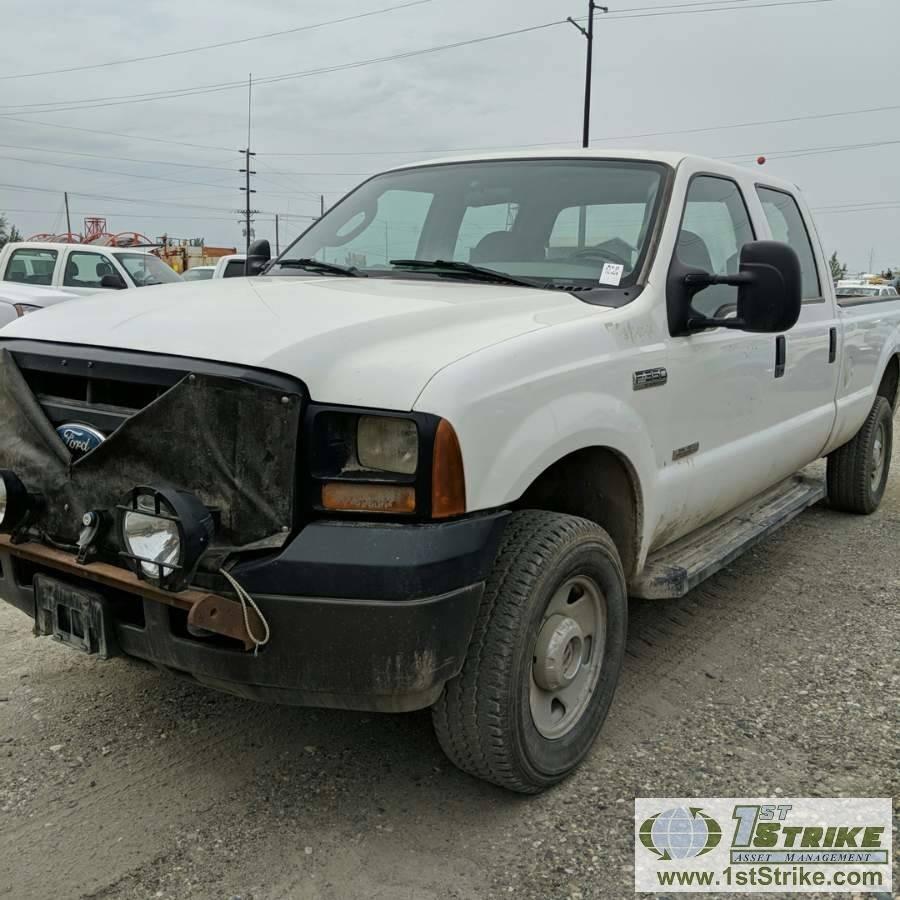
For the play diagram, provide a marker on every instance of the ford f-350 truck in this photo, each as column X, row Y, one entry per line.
column 423, row 457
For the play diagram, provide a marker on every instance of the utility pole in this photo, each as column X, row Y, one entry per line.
column 589, row 34
column 68, row 223
column 247, row 171
column 321, row 205
column 277, row 245
column 248, row 212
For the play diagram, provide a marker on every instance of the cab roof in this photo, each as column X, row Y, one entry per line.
column 55, row 245
column 667, row 157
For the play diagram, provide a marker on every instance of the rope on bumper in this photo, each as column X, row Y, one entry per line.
column 247, row 600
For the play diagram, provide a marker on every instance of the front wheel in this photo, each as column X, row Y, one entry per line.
column 858, row 471
column 545, row 656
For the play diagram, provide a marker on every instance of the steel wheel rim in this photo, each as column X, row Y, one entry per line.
column 567, row 656
column 878, row 456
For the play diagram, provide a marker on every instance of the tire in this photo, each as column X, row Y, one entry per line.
column 856, row 479
column 494, row 720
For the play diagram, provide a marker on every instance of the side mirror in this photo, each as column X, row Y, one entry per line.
column 258, row 257
column 114, row 281
column 769, row 291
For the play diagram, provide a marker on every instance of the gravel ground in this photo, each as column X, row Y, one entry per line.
column 778, row 676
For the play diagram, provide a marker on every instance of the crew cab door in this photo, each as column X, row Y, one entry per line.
column 807, row 388
column 743, row 418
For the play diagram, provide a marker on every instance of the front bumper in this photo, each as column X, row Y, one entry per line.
column 362, row 615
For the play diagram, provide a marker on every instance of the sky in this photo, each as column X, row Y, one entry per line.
column 668, row 75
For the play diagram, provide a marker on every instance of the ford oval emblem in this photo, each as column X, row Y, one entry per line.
column 80, row 439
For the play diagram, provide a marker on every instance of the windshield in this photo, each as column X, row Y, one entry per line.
column 859, row 291
column 552, row 223
column 146, row 269
column 197, row 274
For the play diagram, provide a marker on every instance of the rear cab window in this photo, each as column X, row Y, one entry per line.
column 234, row 268
column 31, row 265
column 787, row 225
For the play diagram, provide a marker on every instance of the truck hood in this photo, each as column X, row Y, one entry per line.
column 33, row 295
column 367, row 342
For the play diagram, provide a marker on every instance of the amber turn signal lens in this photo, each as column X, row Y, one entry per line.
column 448, row 482
column 370, row 498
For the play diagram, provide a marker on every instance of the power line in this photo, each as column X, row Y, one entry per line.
column 131, row 137
column 43, row 190
column 650, row 15
column 108, row 199
column 873, row 205
column 815, row 151
column 204, row 47
column 55, row 212
column 151, row 96
column 127, row 99
column 150, row 162
column 117, row 174
column 619, row 137
column 167, row 162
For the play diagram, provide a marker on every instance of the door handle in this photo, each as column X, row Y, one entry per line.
column 832, row 345
column 780, row 355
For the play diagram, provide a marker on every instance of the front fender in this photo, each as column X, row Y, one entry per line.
column 536, row 442
column 508, row 442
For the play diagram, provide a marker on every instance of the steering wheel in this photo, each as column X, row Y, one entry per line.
column 593, row 252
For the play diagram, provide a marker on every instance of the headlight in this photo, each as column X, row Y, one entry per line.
column 149, row 537
column 14, row 500
column 387, row 445
column 164, row 533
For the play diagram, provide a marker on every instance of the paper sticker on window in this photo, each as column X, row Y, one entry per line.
column 612, row 274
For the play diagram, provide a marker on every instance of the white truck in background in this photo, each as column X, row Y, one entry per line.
column 425, row 455
column 230, row 266
column 82, row 268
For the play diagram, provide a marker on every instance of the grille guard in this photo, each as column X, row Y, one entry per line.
column 232, row 443
column 212, row 612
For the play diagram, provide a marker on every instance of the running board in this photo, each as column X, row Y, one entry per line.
column 675, row 569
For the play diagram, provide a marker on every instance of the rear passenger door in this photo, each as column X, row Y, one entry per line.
column 31, row 265
column 808, row 386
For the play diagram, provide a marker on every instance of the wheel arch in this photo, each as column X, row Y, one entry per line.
column 889, row 387
column 596, row 483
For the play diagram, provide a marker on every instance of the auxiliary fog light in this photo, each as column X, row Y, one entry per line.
column 164, row 532
column 14, row 500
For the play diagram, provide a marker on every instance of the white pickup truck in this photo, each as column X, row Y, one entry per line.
column 82, row 268
column 230, row 266
column 424, row 458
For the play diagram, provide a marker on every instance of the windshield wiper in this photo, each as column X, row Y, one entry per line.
column 463, row 268
column 317, row 265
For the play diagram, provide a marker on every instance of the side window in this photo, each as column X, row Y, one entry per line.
column 30, row 265
column 390, row 232
column 786, row 222
column 480, row 221
column 85, row 270
column 234, row 269
column 716, row 226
